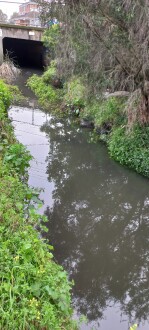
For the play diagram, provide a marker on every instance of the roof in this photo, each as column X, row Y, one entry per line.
column 28, row 3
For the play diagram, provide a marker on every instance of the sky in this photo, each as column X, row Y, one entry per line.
column 8, row 7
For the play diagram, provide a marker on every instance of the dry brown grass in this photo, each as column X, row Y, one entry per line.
column 137, row 109
column 8, row 71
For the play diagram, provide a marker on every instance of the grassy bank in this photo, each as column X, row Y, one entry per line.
column 34, row 290
column 127, row 141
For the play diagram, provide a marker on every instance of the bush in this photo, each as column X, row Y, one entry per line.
column 50, row 73
column 91, row 110
column 17, row 96
column 17, row 158
column 50, row 76
column 75, row 93
column 51, row 38
column 110, row 110
column 5, row 95
column 47, row 95
column 104, row 111
column 131, row 148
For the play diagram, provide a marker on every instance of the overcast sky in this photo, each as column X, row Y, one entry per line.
column 8, row 7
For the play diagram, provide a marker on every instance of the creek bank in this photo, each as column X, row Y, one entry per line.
column 113, row 119
column 35, row 292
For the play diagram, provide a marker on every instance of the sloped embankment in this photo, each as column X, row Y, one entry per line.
column 34, row 290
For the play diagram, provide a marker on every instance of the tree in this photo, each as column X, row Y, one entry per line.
column 107, row 42
column 14, row 15
column 3, row 17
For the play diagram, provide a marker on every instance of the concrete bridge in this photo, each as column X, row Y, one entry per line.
column 23, row 44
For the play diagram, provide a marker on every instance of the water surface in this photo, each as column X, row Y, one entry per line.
column 98, row 219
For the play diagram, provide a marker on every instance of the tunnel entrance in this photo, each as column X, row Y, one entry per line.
column 25, row 53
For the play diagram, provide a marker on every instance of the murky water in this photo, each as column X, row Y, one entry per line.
column 98, row 217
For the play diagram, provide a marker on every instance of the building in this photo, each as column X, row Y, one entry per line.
column 28, row 15
column 28, row 7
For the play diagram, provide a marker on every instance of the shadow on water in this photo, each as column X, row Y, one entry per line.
column 98, row 221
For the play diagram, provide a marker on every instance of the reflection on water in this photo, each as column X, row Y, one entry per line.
column 98, row 220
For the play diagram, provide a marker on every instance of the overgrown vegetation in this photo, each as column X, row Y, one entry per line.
column 131, row 148
column 111, row 54
column 34, row 290
column 51, row 39
column 48, row 95
column 17, row 96
column 127, row 141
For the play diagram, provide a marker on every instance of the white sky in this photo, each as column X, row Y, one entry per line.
column 8, row 7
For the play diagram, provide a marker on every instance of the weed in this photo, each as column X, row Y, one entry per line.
column 131, row 148
column 17, row 158
column 5, row 95
column 75, row 93
column 34, row 290
column 48, row 96
column 17, row 96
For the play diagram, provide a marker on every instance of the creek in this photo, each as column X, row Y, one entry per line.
column 98, row 217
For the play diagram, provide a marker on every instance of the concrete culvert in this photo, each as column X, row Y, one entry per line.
column 25, row 53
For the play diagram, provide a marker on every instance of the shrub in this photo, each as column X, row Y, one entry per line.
column 47, row 95
column 17, row 158
column 110, row 110
column 17, row 96
column 50, row 76
column 104, row 111
column 75, row 93
column 91, row 110
column 51, row 38
column 5, row 95
column 50, row 73
column 131, row 148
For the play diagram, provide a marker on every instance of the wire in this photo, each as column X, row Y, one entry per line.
column 37, row 162
column 38, row 170
column 24, row 122
column 19, row 3
column 19, row 130
column 37, row 144
column 38, row 176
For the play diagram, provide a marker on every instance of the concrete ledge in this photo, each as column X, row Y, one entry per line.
column 10, row 26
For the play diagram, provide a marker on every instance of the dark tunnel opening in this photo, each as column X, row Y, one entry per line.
column 25, row 53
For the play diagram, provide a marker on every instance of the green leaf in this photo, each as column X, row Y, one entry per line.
column 134, row 327
column 36, row 289
column 51, row 292
column 27, row 246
